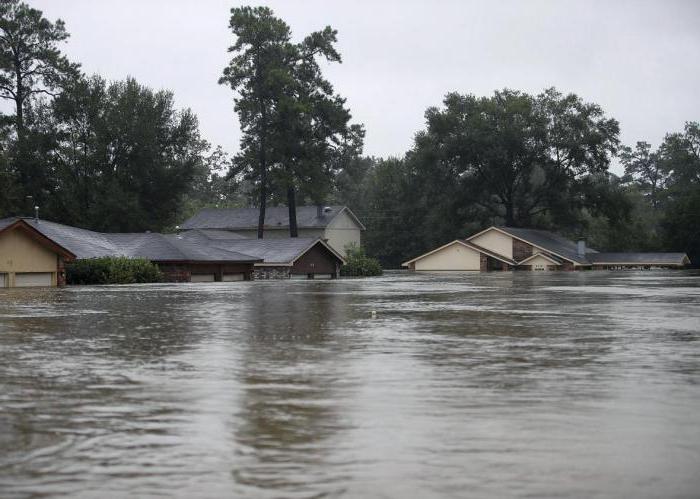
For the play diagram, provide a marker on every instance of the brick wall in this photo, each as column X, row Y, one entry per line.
column 262, row 273
column 60, row 273
column 521, row 250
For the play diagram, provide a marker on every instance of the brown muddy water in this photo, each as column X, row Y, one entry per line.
column 473, row 385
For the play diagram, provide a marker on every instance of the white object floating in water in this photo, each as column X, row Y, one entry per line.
column 373, row 314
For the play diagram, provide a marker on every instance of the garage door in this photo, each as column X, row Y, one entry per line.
column 33, row 279
column 3, row 280
column 234, row 277
column 202, row 278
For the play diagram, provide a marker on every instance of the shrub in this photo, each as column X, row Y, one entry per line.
column 358, row 264
column 112, row 270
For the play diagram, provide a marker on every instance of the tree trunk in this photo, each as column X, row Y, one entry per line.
column 510, row 215
column 263, row 193
column 19, row 128
column 292, row 204
column 263, row 167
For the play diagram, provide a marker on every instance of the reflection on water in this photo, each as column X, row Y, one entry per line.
column 562, row 384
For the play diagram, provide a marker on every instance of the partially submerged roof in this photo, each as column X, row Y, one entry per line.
column 15, row 223
column 551, row 242
column 679, row 259
column 559, row 248
column 466, row 243
column 276, row 217
column 156, row 247
column 273, row 251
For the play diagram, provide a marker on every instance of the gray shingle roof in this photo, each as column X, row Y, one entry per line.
column 282, row 251
column 276, row 217
column 639, row 258
column 152, row 246
column 551, row 242
column 5, row 222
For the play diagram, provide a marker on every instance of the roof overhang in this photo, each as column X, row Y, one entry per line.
column 40, row 238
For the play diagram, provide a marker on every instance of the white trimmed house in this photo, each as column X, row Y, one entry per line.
column 509, row 248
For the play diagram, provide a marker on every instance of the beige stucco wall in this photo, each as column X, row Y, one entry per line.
column 538, row 260
column 495, row 241
column 20, row 253
column 453, row 257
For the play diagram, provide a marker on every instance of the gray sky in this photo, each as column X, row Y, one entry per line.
column 638, row 59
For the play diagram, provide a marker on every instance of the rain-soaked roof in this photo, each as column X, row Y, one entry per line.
column 152, row 246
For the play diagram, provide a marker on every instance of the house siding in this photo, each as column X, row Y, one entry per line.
column 22, row 254
column 538, row 261
column 453, row 257
column 317, row 260
column 495, row 241
column 342, row 232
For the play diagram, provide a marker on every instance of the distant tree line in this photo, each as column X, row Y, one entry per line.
column 527, row 161
column 118, row 156
column 110, row 156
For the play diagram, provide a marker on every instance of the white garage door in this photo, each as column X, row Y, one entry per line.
column 32, row 279
column 234, row 277
column 3, row 280
column 202, row 278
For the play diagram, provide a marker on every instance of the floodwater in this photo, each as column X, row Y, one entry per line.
column 464, row 385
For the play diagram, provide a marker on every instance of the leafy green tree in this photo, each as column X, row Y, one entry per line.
column 518, row 156
column 31, row 64
column 258, row 73
column 296, row 130
column 643, row 166
column 680, row 156
column 125, row 157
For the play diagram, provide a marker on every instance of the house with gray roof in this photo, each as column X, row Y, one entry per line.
column 336, row 225
column 508, row 248
column 37, row 249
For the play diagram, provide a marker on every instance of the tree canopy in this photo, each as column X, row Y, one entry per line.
column 295, row 128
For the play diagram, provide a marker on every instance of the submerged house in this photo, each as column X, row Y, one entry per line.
column 510, row 248
column 28, row 257
column 33, row 253
column 336, row 225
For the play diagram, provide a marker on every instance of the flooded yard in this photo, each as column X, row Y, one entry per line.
column 581, row 384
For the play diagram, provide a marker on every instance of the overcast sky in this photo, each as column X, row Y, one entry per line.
column 640, row 60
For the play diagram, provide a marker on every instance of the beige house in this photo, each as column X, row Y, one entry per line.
column 508, row 248
column 28, row 258
column 336, row 225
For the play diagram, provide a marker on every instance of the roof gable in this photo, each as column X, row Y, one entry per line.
column 466, row 244
column 283, row 251
column 19, row 224
column 544, row 240
column 540, row 255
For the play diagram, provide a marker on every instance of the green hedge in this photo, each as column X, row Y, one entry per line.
column 358, row 264
column 112, row 270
